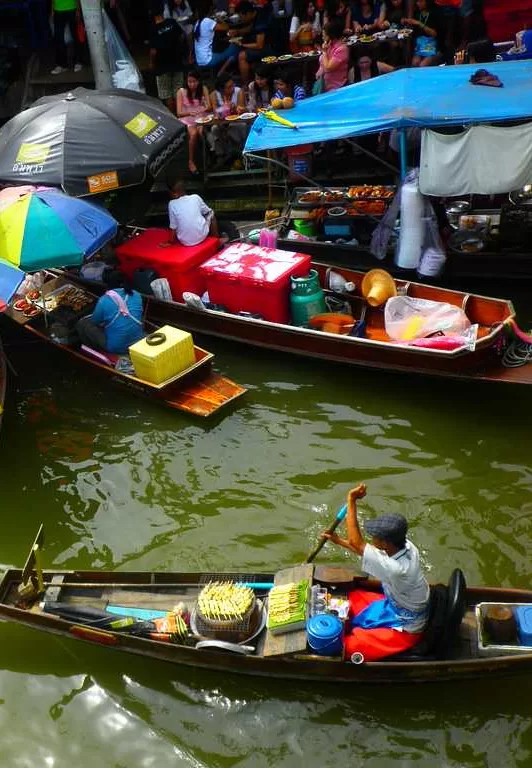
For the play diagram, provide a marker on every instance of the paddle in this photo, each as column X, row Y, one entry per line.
column 331, row 529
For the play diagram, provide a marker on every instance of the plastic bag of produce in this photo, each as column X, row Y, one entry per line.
column 406, row 318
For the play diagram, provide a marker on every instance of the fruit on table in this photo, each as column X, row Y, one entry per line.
column 288, row 102
column 277, row 103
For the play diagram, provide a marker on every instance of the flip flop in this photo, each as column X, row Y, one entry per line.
column 483, row 77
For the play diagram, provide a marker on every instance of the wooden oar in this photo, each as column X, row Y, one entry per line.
column 331, row 529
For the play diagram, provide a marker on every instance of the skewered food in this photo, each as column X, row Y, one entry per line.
column 225, row 601
column 287, row 606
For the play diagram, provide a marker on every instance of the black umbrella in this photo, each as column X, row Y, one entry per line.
column 89, row 141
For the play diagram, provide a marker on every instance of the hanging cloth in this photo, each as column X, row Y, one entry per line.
column 483, row 160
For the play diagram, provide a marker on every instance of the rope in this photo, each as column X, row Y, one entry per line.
column 517, row 352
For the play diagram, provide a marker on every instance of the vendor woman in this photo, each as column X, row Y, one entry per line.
column 384, row 624
column 116, row 321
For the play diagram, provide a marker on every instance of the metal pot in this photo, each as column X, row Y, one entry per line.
column 455, row 210
column 522, row 198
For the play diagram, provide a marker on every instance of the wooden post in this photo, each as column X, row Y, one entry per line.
column 92, row 16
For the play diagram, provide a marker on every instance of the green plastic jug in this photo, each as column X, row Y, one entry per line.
column 306, row 298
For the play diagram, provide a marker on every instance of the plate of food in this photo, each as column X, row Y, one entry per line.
column 337, row 211
column 248, row 115
column 269, row 59
column 33, row 295
column 366, row 39
column 21, row 305
column 333, row 195
column 285, row 57
column 310, row 197
column 31, row 311
column 204, row 120
column 230, row 118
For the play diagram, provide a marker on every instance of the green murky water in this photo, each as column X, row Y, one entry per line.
column 121, row 483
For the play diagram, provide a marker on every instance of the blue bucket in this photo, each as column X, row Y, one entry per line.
column 324, row 634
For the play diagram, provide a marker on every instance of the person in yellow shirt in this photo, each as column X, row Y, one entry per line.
column 65, row 13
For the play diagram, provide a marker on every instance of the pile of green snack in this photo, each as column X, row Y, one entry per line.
column 287, row 607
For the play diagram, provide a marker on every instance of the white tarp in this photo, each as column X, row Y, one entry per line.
column 484, row 160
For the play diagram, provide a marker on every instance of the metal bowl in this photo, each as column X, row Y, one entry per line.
column 456, row 209
column 522, row 198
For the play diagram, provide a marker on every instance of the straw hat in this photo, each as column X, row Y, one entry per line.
column 377, row 287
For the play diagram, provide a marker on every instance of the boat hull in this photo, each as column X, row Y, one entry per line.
column 297, row 666
column 482, row 364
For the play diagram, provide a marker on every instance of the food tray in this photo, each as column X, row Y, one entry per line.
column 371, row 192
column 328, row 197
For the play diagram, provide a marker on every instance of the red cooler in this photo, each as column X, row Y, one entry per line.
column 178, row 263
column 248, row 278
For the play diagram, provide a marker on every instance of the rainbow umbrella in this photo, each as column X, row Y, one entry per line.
column 45, row 228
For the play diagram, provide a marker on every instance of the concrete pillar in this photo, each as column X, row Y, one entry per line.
column 92, row 15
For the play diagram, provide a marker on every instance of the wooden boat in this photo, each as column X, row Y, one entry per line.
column 65, row 603
column 197, row 390
column 376, row 349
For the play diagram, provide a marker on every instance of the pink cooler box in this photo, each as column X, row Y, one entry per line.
column 178, row 263
column 248, row 278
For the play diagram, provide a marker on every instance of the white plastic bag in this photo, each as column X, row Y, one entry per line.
column 124, row 71
column 433, row 257
column 406, row 318
column 411, row 233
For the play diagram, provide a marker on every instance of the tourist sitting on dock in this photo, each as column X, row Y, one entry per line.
column 389, row 623
column 253, row 46
column 191, row 220
column 203, row 36
column 193, row 102
column 368, row 16
column 116, row 322
column 227, row 137
column 425, row 35
column 286, row 88
column 305, row 27
column 260, row 90
column 367, row 66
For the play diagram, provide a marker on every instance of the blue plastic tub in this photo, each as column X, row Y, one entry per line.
column 325, row 634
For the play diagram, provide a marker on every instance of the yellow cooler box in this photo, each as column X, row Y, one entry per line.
column 162, row 354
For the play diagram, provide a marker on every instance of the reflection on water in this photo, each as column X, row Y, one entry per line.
column 123, row 484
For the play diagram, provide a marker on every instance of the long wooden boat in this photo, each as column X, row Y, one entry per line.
column 375, row 350
column 198, row 390
column 96, row 606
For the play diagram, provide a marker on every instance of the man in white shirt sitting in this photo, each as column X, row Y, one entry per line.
column 191, row 219
column 384, row 624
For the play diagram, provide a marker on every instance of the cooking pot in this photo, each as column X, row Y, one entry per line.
column 456, row 209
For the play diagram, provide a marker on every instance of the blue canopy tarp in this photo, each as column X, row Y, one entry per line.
column 424, row 97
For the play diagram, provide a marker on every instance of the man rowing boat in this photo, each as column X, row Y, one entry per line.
column 383, row 625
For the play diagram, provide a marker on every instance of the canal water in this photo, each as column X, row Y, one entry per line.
column 122, row 484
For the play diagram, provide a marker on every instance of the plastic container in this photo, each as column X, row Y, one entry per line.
column 268, row 238
column 305, row 227
column 299, row 162
column 163, row 354
column 306, row 298
column 177, row 263
column 247, row 278
column 325, row 634
column 523, row 616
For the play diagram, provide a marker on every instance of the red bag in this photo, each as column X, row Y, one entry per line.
column 81, row 33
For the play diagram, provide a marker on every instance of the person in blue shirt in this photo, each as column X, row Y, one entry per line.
column 116, row 321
